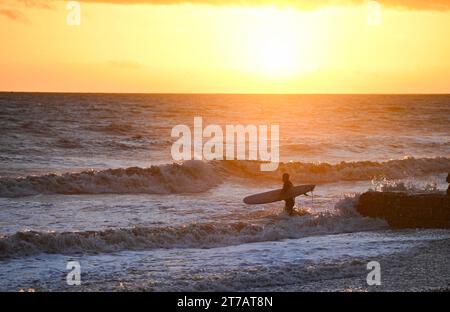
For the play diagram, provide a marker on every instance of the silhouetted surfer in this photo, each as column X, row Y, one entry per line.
column 290, row 202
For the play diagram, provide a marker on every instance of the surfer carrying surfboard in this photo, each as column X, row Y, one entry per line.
column 287, row 187
column 288, row 193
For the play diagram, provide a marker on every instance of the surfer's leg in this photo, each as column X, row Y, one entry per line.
column 289, row 207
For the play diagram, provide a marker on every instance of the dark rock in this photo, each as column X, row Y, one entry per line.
column 402, row 210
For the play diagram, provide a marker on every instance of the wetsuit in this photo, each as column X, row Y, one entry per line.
column 290, row 202
column 448, row 181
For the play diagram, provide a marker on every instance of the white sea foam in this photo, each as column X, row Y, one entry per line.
column 193, row 235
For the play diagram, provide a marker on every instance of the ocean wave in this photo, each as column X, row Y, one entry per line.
column 194, row 235
column 68, row 143
column 306, row 172
column 189, row 177
column 114, row 128
column 411, row 187
column 197, row 176
column 307, row 148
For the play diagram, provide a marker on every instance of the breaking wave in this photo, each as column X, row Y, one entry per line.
column 189, row 177
column 194, row 235
column 307, row 172
column 198, row 176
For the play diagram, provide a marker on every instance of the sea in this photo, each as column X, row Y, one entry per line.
column 90, row 179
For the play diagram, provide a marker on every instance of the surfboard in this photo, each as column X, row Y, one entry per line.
column 275, row 195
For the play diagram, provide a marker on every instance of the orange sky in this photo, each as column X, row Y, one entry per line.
column 229, row 48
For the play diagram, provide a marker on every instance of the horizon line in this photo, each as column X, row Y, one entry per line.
column 216, row 93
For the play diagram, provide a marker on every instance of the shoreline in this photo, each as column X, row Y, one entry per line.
column 423, row 268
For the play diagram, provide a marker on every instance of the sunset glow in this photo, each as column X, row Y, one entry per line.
column 231, row 49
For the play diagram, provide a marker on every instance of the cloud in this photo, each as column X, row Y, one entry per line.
column 439, row 5
column 11, row 14
column 304, row 4
column 35, row 3
column 12, row 9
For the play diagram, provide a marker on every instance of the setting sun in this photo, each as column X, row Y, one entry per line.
column 276, row 59
column 275, row 43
